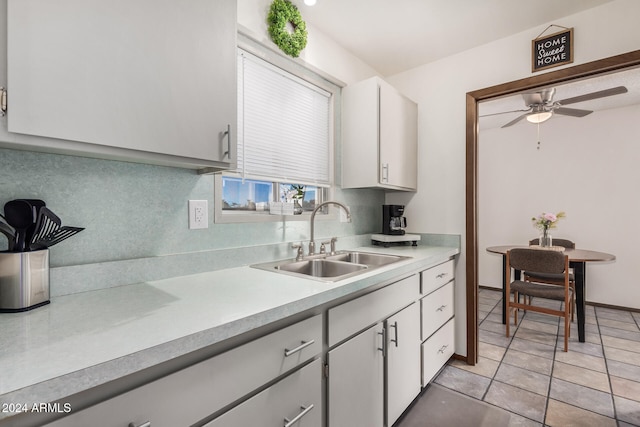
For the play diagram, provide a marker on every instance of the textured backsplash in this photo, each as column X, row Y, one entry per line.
column 135, row 211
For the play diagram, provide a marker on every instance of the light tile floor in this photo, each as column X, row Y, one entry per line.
column 596, row 383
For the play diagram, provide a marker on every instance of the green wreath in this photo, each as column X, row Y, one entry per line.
column 281, row 13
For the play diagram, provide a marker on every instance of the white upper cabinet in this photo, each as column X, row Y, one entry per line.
column 144, row 75
column 379, row 137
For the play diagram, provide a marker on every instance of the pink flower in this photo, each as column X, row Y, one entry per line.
column 550, row 217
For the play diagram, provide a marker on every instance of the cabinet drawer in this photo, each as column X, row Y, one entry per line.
column 436, row 309
column 437, row 350
column 193, row 393
column 353, row 316
column 436, row 276
column 296, row 396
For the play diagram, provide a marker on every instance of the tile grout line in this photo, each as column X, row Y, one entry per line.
column 606, row 366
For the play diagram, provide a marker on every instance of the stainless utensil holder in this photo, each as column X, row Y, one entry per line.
column 24, row 280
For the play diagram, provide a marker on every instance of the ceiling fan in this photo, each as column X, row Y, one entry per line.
column 541, row 106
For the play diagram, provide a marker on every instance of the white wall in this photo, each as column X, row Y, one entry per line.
column 321, row 51
column 587, row 167
column 440, row 88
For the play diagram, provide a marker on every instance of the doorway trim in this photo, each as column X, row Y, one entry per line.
column 590, row 69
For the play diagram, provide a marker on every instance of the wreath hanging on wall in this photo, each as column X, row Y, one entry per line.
column 281, row 13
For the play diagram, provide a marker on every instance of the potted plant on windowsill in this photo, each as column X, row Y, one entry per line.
column 297, row 196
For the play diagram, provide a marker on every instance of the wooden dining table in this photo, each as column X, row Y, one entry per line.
column 577, row 260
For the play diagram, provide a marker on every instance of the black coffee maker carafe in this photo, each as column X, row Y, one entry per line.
column 393, row 221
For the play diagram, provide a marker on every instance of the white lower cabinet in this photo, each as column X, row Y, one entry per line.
column 437, row 309
column 194, row 393
column 437, row 318
column 403, row 361
column 356, row 381
column 436, row 351
column 375, row 375
column 295, row 400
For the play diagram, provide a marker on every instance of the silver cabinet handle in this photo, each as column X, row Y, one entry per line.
column 384, row 341
column 385, row 172
column 145, row 424
column 228, row 134
column 441, row 275
column 301, row 347
column 441, row 308
column 443, row 348
column 304, row 412
column 395, row 328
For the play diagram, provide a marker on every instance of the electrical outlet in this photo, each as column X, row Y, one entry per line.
column 198, row 216
column 343, row 215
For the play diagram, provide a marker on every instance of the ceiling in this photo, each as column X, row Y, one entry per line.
column 395, row 36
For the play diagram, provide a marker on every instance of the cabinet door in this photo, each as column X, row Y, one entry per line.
column 356, row 381
column 437, row 309
column 137, row 74
column 435, row 277
column 437, row 350
column 295, row 400
column 403, row 361
column 398, row 139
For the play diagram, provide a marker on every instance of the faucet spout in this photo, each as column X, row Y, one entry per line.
column 312, row 243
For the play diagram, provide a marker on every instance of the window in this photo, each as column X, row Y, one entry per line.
column 283, row 124
column 251, row 195
column 285, row 144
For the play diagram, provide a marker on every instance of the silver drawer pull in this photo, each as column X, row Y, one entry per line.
column 443, row 348
column 441, row 275
column 304, row 412
column 302, row 346
column 145, row 424
column 441, row 308
column 384, row 341
column 395, row 328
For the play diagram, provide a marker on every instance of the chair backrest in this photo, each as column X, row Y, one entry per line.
column 556, row 242
column 538, row 260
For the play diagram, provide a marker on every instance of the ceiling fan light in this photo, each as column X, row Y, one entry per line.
column 309, row 2
column 540, row 117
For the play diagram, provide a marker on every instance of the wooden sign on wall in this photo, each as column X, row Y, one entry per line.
column 552, row 50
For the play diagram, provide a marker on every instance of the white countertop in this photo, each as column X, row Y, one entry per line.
column 83, row 340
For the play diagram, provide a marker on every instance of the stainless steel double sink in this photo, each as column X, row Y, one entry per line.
column 331, row 268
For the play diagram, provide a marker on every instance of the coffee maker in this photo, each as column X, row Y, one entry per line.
column 393, row 221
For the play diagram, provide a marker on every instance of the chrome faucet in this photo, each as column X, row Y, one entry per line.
column 312, row 243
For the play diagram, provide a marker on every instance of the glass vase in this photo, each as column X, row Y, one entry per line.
column 545, row 239
column 297, row 207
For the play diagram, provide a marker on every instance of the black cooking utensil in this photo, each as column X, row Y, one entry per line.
column 46, row 224
column 56, row 237
column 8, row 231
column 19, row 215
column 36, row 205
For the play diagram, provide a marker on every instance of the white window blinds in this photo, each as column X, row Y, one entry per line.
column 283, row 125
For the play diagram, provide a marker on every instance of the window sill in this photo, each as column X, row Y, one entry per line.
column 248, row 217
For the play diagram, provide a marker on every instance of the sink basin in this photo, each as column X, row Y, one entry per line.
column 321, row 267
column 331, row 268
column 366, row 258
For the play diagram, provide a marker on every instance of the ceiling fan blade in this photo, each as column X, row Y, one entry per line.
column 516, row 120
column 594, row 95
column 505, row 112
column 573, row 112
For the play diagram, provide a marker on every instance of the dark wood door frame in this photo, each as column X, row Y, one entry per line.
column 590, row 69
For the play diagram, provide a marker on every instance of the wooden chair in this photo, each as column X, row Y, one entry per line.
column 555, row 279
column 540, row 261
